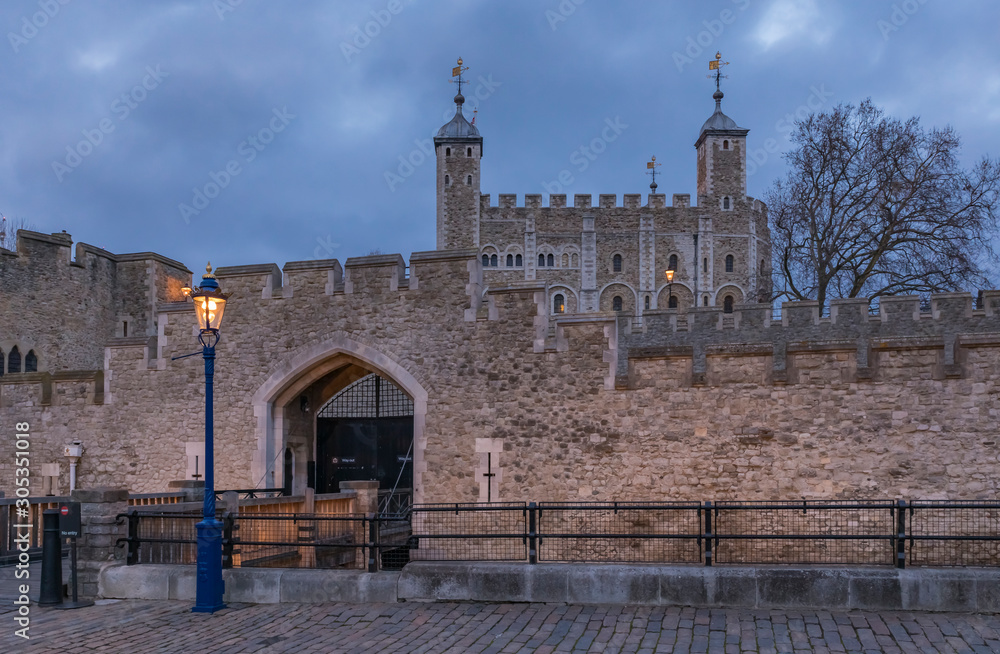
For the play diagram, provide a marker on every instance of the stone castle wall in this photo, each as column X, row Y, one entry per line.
column 698, row 405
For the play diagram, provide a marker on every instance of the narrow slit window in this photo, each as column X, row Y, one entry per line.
column 541, row 260
column 518, row 261
column 510, row 260
column 704, row 264
column 646, row 303
column 468, row 180
column 14, row 360
column 30, row 362
column 729, row 263
column 725, row 145
column 447, row 152
column 672, row 265
column 725, row 203
column 468, row 152
column 447, row 180
column 493, row 261
column 616, row 263
column 550, row 261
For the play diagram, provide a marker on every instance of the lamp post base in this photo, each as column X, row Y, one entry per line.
column 210, row 586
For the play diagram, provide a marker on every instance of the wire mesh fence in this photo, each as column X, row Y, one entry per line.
column 846, row 532
column 943, row 533
column 876, row 533
column 620, row 532
column 496, row 531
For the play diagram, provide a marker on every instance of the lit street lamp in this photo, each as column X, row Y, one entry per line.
column 670, row 286
column 209, row 303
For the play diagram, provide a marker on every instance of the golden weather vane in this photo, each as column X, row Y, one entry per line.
column 651, row 166
column 716, row 65
column 457, row 72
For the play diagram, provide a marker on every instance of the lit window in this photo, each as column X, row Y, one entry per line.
column 729, row 263
column 558, row 303
column 616, row 263
column 616, row 303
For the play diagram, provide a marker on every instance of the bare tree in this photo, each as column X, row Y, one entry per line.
column 876, row 206
column 8, row 231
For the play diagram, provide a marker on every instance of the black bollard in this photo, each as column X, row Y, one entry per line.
column 51, row 592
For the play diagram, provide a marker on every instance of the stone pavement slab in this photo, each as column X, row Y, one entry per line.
column 139, row 626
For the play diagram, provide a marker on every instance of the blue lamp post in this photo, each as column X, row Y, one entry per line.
column 209, row 303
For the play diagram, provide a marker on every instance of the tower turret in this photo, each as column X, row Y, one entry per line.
column 459, row 149
column 722, row 153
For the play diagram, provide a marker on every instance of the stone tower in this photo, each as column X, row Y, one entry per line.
column 722, row 160
column 458, row 148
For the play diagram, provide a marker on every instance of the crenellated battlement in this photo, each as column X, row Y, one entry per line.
column 950, row 325
column 605, row 201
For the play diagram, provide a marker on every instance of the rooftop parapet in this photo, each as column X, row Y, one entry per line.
column 633, row 200
column 681, row 200
column 44, row 249
column 375, row 274
column 582, row 200
column 951, row 324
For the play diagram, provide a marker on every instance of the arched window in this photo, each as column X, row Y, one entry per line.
column 646, row 303
column 518, row 261
column 550, row 261
column 468, row 180
column 725, row 145
column 616, row 303
column 616, row 263
column 493, row 261
column 672, row 302
column 447, row 180
column 510, row 260
column 725, row 202
column 468, row 152
column 575, row 260
column 565, row 261
column 14, row 360
column 447, row 152
column 761, row 266
column 30, row 362
column 704, row 265
column 541, row 260
column 704, row 301
column 729, row 263
column 486, row 260
column 558, row 303
column 727, row 304
column 673, row 263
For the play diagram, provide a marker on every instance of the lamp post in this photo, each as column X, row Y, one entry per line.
column 670, row 285
column 209, row 303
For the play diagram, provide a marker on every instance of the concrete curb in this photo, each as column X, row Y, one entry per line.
column 974, row 590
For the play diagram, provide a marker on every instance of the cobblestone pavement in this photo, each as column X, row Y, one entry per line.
column 144, row 626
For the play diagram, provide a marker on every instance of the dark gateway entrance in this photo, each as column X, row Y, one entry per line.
column 365, row 432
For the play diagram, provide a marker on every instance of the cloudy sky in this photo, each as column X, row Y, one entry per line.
column 313, row 117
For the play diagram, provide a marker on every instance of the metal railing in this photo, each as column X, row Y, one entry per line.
column 394, row 502
column 805, row 532
column 254, row 493
column 21, row 525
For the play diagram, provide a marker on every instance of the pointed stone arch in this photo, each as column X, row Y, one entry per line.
column 308, row 365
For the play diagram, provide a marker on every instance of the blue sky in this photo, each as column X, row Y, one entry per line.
column 114, row 114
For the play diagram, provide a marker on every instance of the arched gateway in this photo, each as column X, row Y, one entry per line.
column 328, row 376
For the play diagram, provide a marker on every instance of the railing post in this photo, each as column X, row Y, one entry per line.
column 901, row 534
column 133, row 537
column 708, row 533
column 372, row 543
column 532, row 533
column 227, row 540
